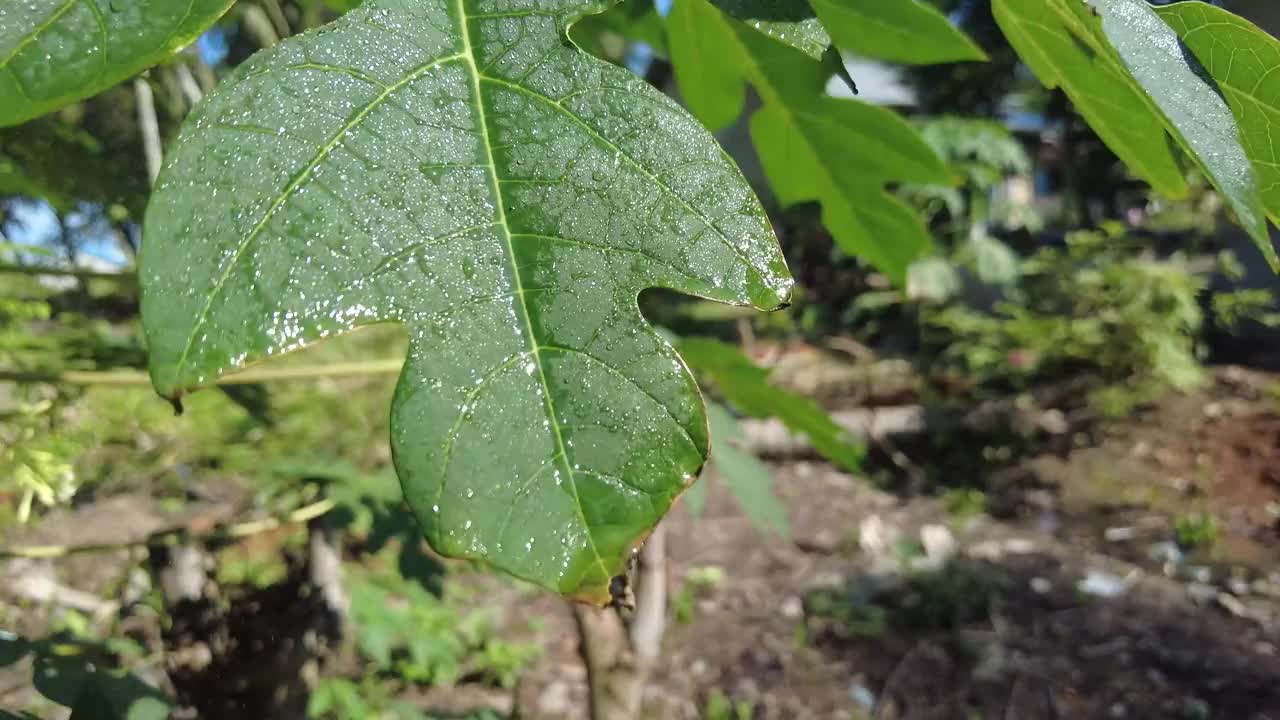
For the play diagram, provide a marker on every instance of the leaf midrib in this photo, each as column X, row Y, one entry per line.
column 500, row 210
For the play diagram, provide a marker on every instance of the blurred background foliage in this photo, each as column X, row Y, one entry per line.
column 1050, row 263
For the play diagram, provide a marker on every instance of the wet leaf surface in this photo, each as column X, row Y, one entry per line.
column 1192, row 104
column 1242, row 59
column 457, row 167
column 54, row 52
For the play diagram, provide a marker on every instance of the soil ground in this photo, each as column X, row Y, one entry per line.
column 1070, row 597
column 1072, row 600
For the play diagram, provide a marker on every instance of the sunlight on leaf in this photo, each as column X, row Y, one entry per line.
column 838, row 152
column 54, row 52
column 454, row 166
column 902, row 31
column 1242, row 59
column 1191, row 103
column 1063, row 53
column 789, row 21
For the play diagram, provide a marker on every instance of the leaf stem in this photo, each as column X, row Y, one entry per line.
column 234, row 531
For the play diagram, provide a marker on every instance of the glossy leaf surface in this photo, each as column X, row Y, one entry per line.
column 1062, row 51
column 747, row 387
column 902, row 31
column 1242, row 60
column 1192, row 105
column 788, row 21
column 840, row 153
column 54, row 52
column 457, row 167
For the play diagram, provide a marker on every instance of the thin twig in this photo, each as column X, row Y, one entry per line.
column 84, row 274
column 258, row 25
column 252, row 376
column 278, row 20
column 149, row 127
column 187, row 82
column 234, row 531
column 649, row 624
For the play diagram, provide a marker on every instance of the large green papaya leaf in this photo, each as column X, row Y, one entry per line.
column 1242, row 59
column 903, row 31
column 838, row 152
column 457, row 167
column 1191, row 103
column 1063, row 53
column 54, row 52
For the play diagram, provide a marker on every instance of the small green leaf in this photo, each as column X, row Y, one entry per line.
column 1063, row 53
column 1193, row 106
column 97, row 694
column 1242, row 59
column 747, row 387
column 746, row 477
column 54, row 52
column 841, row 153
column 902, row 31
column 456, row 167
column 789, row 21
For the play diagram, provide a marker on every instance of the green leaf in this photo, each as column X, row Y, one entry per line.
column 54, row 52
column 747, row 387
column 789, row 21
column 65, row 160
column 746, row 477
column 902, row 31
column 97, row 694
column 1063, row 53
column 840, row 153
column 1242, row 60
column 1193, row 107
column 456, row 167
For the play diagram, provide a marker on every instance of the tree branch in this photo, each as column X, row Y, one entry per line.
column 650, row 621
column 149, row 127
column 252, row 376
column 613, row 682
column 303, row 514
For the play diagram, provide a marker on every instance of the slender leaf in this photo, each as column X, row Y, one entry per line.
column 902, row 31
column 789, row 21
column 54, row 52
column 456, row 167
column 747, row 387
column 814, row 147
column 746, row 477
column 1192, row 105
column 1242, row 59
column 1061, row 50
